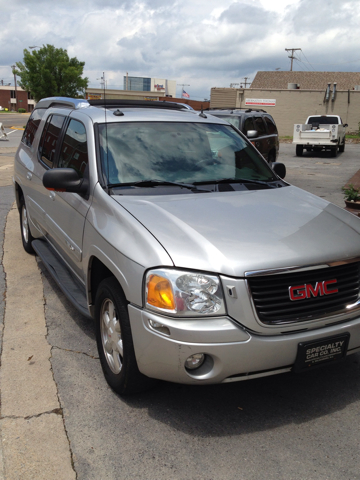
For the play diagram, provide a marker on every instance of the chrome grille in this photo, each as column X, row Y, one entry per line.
column 272, row 300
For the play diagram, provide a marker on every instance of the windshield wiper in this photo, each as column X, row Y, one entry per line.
column 152, row 183
column 236, row 180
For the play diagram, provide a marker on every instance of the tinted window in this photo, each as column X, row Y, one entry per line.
column 270, row 125
column 260, row 125
column 32, row 126
column 323, row 121
column 248, row 125
column 177, row 152
column 73, row 152
column 49, row 139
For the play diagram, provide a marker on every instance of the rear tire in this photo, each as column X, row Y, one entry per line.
column 26, row 236
column 299, row 150
column 114, row 340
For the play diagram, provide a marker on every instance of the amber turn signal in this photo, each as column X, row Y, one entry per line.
column 160, row 293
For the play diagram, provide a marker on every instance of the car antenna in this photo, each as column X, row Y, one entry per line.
column 202, row 114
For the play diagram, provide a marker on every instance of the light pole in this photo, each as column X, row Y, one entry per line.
column 13, row 67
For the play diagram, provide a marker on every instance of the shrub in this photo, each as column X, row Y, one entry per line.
column 22, row 110
column 352, row 194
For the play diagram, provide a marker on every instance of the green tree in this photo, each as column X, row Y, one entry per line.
column 49, row 72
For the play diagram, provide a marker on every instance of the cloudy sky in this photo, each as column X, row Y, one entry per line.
column 202, row 43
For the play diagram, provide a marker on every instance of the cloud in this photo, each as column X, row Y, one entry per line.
column 200, row 42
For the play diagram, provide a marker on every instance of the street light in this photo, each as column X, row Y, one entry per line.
column 34, row 46
column 13, row 69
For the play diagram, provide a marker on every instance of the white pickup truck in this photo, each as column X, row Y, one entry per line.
column 320, row 132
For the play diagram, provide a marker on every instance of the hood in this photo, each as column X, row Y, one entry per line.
column 236, row 232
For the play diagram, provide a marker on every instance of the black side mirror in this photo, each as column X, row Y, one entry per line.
column 65, row 180
column 279, row 169
column 346, row 125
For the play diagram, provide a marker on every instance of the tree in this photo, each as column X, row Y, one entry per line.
column 49, row 72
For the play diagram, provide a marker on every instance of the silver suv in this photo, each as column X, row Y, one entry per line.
column 197, row 261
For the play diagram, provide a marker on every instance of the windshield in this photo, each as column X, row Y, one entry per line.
column 177, row 152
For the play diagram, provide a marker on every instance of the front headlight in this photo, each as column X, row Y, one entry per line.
column 183, row 293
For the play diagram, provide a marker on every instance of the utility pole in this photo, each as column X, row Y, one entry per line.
column 292, row 50
column 246, row 78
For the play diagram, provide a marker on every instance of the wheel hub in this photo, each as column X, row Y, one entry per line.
column 111, row 336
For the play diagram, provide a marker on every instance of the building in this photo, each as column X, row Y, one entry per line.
column 290, row 97
column 146, row 84
column 110, row 94
column 13, row 99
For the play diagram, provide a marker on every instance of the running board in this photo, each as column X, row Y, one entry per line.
column 71, row 287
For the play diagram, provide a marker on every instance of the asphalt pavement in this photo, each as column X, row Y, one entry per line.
column 281, row 427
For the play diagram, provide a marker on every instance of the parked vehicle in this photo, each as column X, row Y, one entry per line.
column 257, row 125
column 197, row 261
column 320, row 132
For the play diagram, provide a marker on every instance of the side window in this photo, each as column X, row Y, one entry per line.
column 270, row 126
column 73, row 152
column 260, row 125
column 248, row 124
column 49, row 138
column 32, row 126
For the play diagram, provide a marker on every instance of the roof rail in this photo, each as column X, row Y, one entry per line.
column 111, row 103
column 242, row 109
column 64, row 102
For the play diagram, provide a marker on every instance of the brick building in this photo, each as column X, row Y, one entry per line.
column 14, row 99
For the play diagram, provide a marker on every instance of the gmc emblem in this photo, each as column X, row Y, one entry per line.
column 301, row 292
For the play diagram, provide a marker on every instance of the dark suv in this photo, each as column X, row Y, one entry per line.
column 257, row 125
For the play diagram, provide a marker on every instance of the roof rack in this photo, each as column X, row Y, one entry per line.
column 64, row 102
column 243, row 109
column 111, row 103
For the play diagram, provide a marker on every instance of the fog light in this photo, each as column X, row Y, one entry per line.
column 194, row 361
column 159, row 327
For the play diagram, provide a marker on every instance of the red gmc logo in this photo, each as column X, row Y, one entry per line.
column 301, row 292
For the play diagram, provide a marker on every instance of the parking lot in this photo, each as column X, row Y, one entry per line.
column 281, row 427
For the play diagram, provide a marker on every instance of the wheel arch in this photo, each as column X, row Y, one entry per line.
column 99, row 270
column 18, row 194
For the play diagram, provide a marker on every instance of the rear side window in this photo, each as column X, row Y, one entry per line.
column 32, row 126
column 260, row 125
column 270, row 126
column 49, row 139
column 73, row 152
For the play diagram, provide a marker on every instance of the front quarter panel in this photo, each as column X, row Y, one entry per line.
column 122, row 243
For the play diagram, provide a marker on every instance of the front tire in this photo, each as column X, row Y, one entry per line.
column 334, row 151
column 342, row 147
column 114, row 340
column 26, row 236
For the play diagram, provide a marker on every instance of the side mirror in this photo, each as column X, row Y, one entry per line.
column 251, row 134
column 279, row 169
column 65, row 180
column 346, row 125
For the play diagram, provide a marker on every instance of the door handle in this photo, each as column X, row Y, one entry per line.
column 29, row 175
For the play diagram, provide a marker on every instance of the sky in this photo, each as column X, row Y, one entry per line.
column 200, row 43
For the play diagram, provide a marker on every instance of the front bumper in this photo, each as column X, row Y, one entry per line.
column 232, row 353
